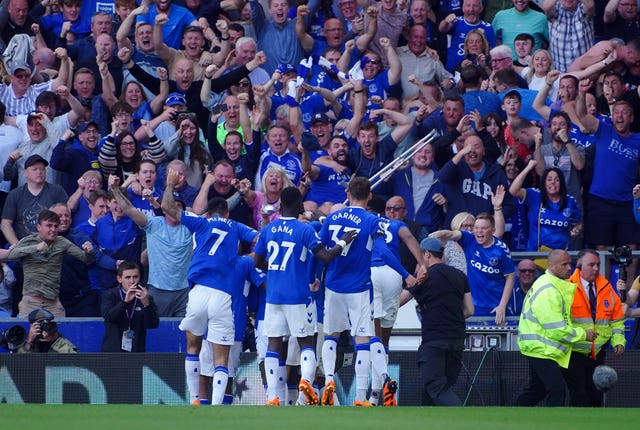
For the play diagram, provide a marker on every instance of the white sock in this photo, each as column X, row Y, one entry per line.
column 378, row 363
column 281, row 388
column 308, row 364
column 192, row 370
column 220, row 379
column 362, row 366
column 329, row 353
column 271, row 369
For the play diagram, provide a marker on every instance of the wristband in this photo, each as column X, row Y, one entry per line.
column 357, row 91
column 497, row 209
column 341, row 243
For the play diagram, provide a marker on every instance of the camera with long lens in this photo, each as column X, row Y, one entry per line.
column 622, row 256
column 12, row 338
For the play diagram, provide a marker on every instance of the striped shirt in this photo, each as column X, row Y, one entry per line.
column 571, row 35
column 25, row 104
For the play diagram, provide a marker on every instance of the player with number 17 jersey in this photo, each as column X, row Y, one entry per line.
column 350, row 271
column 216, row 251
column 288, row 245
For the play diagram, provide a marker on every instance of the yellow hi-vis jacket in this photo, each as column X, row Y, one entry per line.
column 545, row 329
column 609, row 321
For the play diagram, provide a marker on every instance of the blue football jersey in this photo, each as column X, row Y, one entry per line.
column 288, row 244
column 247, row 274
column 350, row 271
column 486, row 270
column 391, row 229
column 216, row 252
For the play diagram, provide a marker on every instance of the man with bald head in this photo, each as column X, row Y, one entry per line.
column 546, row 334
column 471, row 181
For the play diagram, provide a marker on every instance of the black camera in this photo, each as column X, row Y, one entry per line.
column 219, row 108
column 12, row 338
column 47, row 325
column 622, row 256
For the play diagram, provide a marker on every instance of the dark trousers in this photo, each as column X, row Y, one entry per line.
column 545, row 380
column 579, row 377
column 440, row 363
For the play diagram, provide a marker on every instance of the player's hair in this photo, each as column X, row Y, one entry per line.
column 291, row 198
column 47, row 215
column 217, row 206
column 360, row 188
column 487, row 216
column 127, row 265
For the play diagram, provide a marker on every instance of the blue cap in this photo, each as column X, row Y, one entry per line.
column 431, row 244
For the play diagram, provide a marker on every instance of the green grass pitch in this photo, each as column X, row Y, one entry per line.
column 123, row 417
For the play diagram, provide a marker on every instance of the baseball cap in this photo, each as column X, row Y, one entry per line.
column 286, row 68
column 19, row 65
column 431, row 244
column 40, row 315
column 514, row 93
column 82, row 127
column 175, row 99
column 33, row 160
column 320, row 117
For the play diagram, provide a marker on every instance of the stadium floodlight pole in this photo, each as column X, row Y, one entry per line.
column 388, row 170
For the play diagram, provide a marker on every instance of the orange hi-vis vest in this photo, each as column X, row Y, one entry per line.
column 609, row 322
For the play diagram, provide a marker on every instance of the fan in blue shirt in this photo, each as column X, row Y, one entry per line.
column 489, row 266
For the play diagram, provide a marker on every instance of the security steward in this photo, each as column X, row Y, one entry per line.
column 595, row 306
column 546, row 334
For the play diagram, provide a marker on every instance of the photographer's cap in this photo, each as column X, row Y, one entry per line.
column 431, row 244
column 40, row 315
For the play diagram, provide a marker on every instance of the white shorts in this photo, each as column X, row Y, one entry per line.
column 348, row 311
column 387, row 287
column 289, row 320
column 209, row 310
column 207, row 367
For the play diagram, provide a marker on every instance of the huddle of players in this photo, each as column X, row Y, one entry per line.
column 290, row 252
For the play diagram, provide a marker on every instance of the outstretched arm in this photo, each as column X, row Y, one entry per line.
column 169, row 205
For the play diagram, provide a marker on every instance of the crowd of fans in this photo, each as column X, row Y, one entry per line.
column 244, row 99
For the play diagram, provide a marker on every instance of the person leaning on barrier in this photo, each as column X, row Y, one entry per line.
column 546, row 334
column 44, row 335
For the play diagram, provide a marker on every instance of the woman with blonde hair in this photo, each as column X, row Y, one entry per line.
column 265, row 203
column 536, row 74
column 476, row 52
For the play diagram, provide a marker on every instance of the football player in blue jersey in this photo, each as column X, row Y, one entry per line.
column 209, row 307
column 348, row 287
column 387, row 286
column 490, row 269
column 284, row 249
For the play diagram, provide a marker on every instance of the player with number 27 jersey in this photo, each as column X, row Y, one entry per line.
column 288, row 245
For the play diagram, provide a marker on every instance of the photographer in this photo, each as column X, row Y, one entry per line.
column 128, row 312
column 44, row 335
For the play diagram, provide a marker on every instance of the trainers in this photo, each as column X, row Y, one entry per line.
column 389, row 392
column 273, row 402
column 307, row 389
column 327, row 396
column 364, row 403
